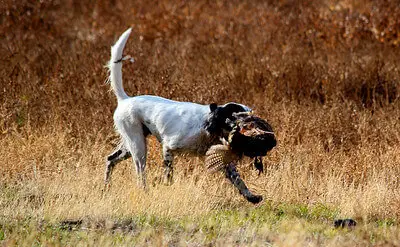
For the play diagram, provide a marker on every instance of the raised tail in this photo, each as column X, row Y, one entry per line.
column 115, row 66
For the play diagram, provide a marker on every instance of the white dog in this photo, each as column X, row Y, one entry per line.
column 179, row 126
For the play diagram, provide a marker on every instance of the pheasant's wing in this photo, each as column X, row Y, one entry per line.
column 218, row 156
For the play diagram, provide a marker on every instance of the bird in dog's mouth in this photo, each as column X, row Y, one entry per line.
column 250, row 136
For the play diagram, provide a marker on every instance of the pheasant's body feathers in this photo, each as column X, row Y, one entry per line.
column 218, row 156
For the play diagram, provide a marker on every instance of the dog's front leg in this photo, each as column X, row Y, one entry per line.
column 168, row 167
column 233, row 175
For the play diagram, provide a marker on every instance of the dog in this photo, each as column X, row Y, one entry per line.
column 178, row 126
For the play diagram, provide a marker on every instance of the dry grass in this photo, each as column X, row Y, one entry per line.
column 324, row 73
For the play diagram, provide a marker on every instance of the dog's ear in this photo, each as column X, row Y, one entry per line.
column 213, row 107
column 212, row 123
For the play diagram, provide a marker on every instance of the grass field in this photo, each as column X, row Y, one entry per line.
column 325, row 74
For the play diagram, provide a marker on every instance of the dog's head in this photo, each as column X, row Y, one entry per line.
column 217, row 123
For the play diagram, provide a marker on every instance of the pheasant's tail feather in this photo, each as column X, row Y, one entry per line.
column 218, row 156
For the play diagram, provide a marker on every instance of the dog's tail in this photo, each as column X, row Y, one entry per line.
column 115, row 66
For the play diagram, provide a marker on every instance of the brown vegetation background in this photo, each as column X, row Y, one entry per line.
column 257, row 52
column 325, row 74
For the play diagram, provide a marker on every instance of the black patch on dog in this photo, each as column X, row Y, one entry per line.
column 216, row 123
column 121, row 153
column 114, row 155
column 213, row 107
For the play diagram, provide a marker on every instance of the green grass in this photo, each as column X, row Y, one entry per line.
column 243, row 226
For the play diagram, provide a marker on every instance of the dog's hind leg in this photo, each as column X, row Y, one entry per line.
column 135, row 142
column 119, row 154
column 168, row 167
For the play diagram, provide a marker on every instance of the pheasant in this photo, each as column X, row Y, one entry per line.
column 250, row 136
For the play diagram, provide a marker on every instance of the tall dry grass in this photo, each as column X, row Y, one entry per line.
column 324, row 73
column 55, row 175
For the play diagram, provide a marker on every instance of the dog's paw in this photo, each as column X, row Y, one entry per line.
column 254, row 199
